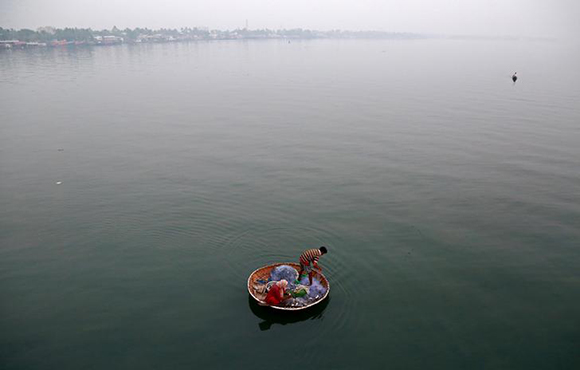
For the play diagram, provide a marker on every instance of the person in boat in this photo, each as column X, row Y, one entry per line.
column 514, row 77
column 309, row 261
column 276, row 294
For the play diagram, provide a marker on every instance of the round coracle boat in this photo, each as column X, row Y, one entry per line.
column 263, row 273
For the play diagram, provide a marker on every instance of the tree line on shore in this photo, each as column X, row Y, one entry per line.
column 48, row 34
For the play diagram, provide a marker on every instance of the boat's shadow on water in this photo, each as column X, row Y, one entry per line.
column 273, row 316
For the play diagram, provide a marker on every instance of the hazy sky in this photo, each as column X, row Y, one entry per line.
column 555, row 18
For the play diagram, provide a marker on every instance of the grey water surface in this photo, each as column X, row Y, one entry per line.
column 141, row 184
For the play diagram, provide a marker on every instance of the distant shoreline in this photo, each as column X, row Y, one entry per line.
column 55, row 37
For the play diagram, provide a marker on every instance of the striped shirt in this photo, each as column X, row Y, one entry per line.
column 310, row 256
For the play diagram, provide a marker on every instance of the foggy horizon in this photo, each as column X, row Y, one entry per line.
column 516, row 18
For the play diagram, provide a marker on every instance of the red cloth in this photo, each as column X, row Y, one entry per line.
column 273, row 297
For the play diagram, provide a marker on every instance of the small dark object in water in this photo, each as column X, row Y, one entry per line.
column 514, row 77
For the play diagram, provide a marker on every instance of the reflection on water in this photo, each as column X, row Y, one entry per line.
column 272, row 316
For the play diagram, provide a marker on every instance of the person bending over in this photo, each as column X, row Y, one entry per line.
column 309, row 260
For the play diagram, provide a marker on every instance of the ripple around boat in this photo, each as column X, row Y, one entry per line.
column 264, row 273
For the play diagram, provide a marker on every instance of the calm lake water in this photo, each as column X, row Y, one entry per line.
column 449, row 199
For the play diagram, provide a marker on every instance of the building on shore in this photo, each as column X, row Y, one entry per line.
column 8, row 44
column 108, row 40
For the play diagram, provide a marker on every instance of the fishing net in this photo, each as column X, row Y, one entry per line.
column 316, row 290
column 303, row 293
column 285, row 272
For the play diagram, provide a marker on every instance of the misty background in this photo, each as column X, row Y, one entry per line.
column 526, row 18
